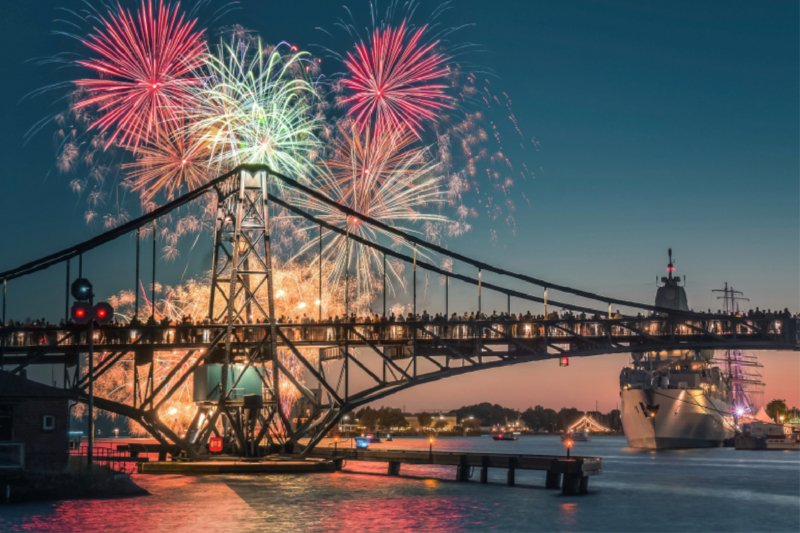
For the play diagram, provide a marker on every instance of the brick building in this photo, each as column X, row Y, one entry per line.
column 37, row 416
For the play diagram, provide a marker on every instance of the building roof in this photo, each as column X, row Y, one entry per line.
column 14, row 386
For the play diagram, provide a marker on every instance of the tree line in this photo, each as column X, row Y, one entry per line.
column 472, row 417
column 536, row 418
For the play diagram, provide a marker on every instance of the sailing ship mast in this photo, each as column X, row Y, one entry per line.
column 740, row 368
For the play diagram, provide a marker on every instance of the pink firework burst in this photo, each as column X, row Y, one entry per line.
column 393, row 80
column 145, row 63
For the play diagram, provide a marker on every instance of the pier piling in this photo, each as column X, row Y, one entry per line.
column 485, row 469
column 553, row 480
column 512, row 467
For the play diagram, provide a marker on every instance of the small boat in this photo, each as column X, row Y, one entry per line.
column 578, row 436
column 389, row 437
column 362, row 443
column 504, row 436
column 374, row 439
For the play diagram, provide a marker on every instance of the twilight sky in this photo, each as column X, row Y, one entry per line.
column 670, row 125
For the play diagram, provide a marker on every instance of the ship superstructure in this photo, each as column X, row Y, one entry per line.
column 675, row 399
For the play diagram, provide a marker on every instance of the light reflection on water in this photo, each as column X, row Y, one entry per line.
column 697, row 490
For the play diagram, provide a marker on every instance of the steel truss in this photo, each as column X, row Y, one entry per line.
column 361, row 363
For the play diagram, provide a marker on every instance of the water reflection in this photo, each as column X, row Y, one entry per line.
column 710, row 490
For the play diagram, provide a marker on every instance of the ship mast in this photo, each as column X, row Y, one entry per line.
column 740, row 368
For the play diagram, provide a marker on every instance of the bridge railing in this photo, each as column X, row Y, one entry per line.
column 327, row 332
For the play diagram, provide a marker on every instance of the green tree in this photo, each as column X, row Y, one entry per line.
column 614, row 420
column 440, row 424
column 531, row 417
column 775, row 409
column 425, row 420
column 488, row 414
column 368, row 418
column 391, row 418
column 566, row 417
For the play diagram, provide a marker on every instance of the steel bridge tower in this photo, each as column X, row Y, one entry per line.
column 241, row 266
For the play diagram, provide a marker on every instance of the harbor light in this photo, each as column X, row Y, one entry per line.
column 739, row 412
column 568, row 443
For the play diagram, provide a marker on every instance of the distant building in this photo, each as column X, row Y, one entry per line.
column 34, row 418
column 447, row 422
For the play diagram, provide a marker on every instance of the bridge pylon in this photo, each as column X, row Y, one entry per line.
column 241, row 266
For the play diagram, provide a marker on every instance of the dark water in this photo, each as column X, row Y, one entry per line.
column 695, row 490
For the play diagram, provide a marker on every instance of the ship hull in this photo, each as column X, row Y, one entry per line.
column 683, row 419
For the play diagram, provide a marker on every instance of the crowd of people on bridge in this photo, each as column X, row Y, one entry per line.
column 364, row 327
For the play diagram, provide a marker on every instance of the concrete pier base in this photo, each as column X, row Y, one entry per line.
column 553, row 480
column 574, row 484
column 394, row 468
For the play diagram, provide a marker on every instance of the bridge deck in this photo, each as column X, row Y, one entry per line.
column 536, row 335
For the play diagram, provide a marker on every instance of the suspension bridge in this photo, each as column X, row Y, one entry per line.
column 387, row 356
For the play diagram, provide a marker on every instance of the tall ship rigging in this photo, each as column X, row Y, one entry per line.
column 676, row 398
column 740, row 368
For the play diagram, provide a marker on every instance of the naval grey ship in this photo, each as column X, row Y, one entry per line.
column 675, row 399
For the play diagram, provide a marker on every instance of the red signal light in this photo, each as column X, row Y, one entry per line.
column 103, row 313
column 215, row 444
column 81, row 312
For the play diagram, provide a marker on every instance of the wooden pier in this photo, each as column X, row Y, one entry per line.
column 232, row 466
column 570, row 475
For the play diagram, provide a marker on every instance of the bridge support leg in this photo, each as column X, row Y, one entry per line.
column 553, row 480
column 485, row 469
column 574, row 484
column 462, row 472
column 337, row 464
column 394, row 468
column 512, row 466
